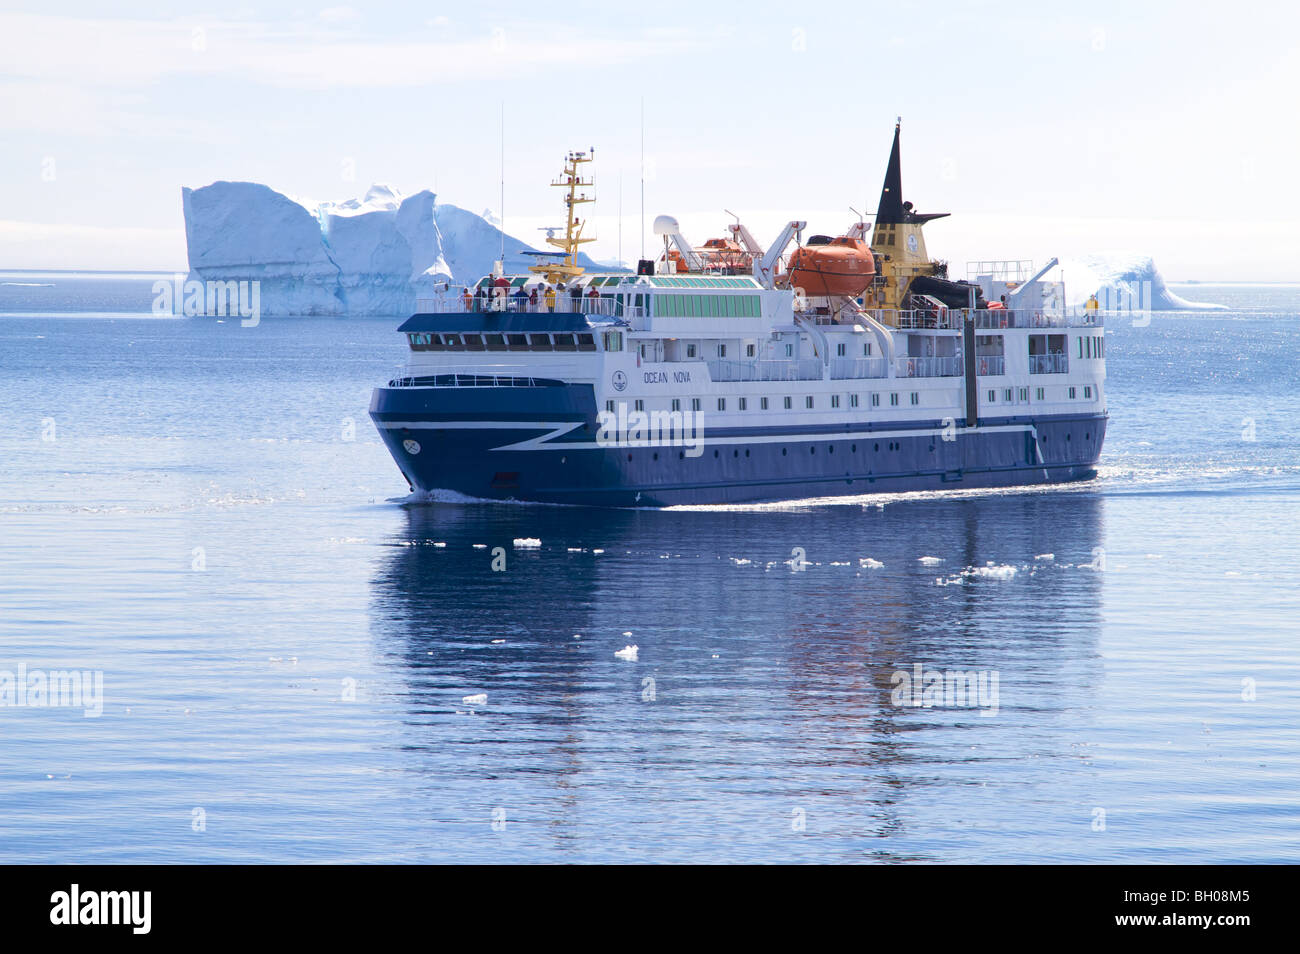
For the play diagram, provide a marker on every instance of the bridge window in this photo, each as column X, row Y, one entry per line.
column 517, row 342
column 539, row 343
column 496, row 342
column 474, row 343
column 586, row 342
column 565, row 343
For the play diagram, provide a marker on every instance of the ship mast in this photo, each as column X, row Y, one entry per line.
column 568, row 268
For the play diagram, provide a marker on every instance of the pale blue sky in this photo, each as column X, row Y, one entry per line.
column 1168, row 130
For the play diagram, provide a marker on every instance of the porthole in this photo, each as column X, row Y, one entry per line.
column 782, row 451
column 812, row 450
column 735, row 453
column 715, row 453
column 830, row 449
column 876, row 448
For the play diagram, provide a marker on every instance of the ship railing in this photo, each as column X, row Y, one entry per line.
column 469, row 376
column 849, row 368
column 997, row 318
column 927, row 319
column 1058, row 363
column 797, row 369
column 928, row 367
column 511, row 304
column 991, row 365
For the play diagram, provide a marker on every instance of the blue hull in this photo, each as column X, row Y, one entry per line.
column 537, row 444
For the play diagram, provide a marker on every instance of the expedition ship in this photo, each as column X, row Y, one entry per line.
column 731, row 373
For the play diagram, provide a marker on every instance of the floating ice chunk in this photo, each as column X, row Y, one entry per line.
column 627, row 653
column 834, row 563
column 440, row 544
column 577, row 549
column 479, row 699
column 740, row 561
column 480, row 546
column 497, row 642
column 870, row 564
column 527, row 543
column 992, row 572
column 597, row 551
column 929, row 560
column 1046, row 557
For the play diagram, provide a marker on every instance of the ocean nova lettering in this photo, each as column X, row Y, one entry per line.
column 102, row 908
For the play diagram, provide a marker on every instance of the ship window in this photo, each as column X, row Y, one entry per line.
column 875, row 400
column 609, row 406
column 1038, row 394
column 916, row 398
column 1071, row 393
column 789, row 403
column 835, row 400
column 742, row 403
column 1006, row 395
column 1024, row 395
column 808, row 402
column 695, row 404
column 565, row 343
column 1087, row 391
column 893, row 399
column 613, row 340
column 715, row 310
column 839, row 350
column 434, row 343
column 677, row 404
column 690, row 351
column 749, row 351
column 517, row 342
column 638, row 405
column 496, row 342
column 722, row 351
column 993, row 396
column 722, row 404
column 762, row 404
column 473, row 342
column 853, row 400
column 789, row 351
column 539, row 342
column 586, row 342
column 866, row 348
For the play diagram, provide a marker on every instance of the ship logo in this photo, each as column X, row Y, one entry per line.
column 620, row 381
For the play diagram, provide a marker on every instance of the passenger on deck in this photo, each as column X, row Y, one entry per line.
column 481, row 304
column 532, row 299
column 466, row 299
column 550, row 298
column 521, row 299
column 575, row 297
column 593, row 299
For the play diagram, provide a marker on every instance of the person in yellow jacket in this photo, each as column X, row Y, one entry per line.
column 1092, row 305
column 550, row 298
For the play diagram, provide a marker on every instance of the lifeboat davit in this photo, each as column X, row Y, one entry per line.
column 832, row 267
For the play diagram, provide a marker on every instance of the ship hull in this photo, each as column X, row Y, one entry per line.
column 540, row 444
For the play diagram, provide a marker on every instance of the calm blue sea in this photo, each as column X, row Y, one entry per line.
column 203, row 513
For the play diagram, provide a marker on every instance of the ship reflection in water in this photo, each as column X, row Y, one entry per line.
column 765, row 716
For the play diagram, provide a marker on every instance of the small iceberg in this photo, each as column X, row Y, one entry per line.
column 627, row 653
column 527, row 543
column 478, row 699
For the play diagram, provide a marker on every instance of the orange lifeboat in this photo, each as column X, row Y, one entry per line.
column 726, row 256
column 831, row 267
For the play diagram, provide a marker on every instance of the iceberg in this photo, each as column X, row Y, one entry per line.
column 361, row 257
column 1121, row 280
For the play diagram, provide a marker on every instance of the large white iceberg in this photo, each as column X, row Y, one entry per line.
column 369, row 256
column 1121, row 281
